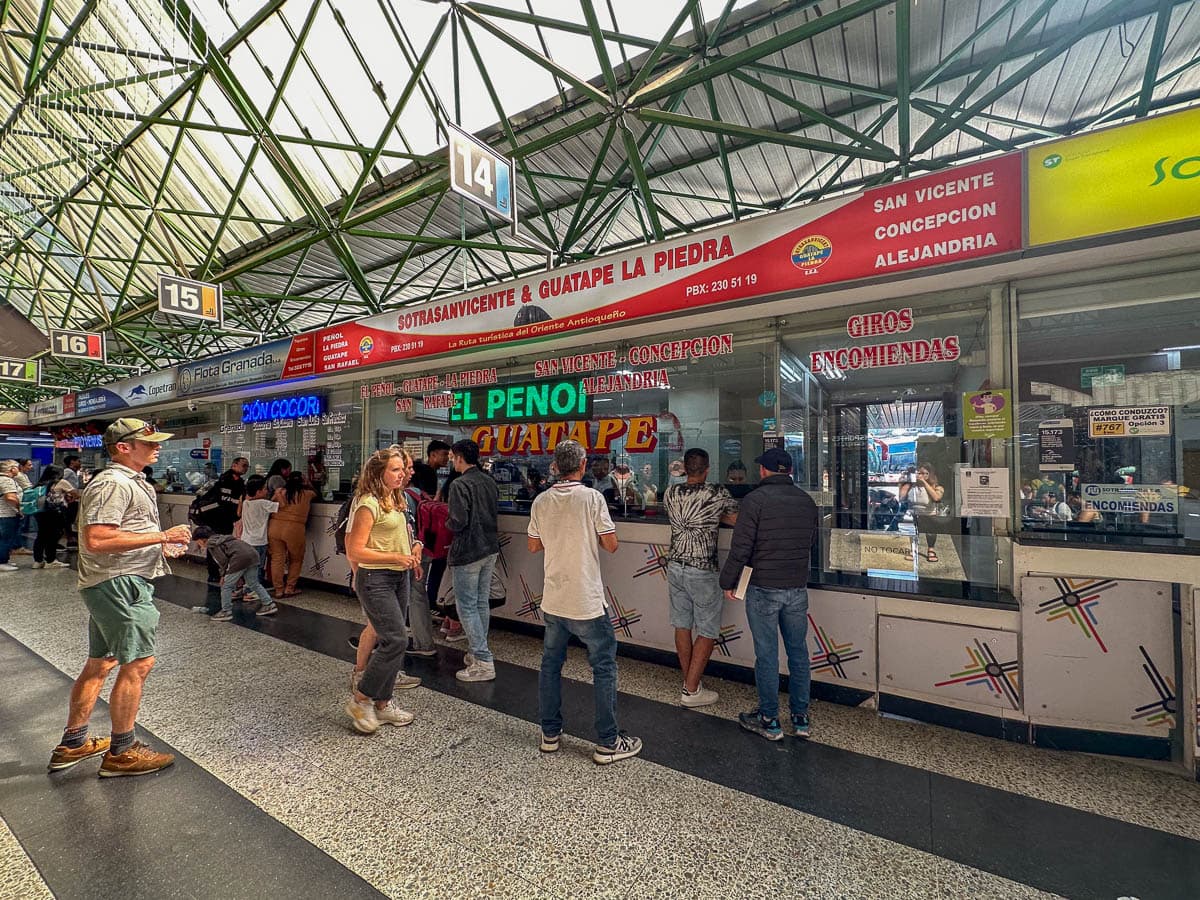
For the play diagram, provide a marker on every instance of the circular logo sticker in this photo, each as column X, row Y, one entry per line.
column 366, row 345
column 1051, row 161
column 812, row 252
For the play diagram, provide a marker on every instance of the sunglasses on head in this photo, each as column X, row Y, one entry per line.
column 145, row 431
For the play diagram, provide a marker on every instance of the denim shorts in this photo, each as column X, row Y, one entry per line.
column 697, row 600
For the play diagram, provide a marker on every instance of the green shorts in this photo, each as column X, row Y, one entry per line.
column 123, row 618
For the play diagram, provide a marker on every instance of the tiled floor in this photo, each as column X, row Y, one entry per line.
column 461, row 804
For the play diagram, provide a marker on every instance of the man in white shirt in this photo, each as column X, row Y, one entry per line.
column 10, row 512
column 571, row 523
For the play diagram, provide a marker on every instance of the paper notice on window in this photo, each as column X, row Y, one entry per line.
column 1129, row 421
column 984, row 493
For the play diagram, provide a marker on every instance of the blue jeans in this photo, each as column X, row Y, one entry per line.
column 253, row 585
column 601, row 642
column 772, row 611
column 261, row 550
column 8, row 535
column 472, row 585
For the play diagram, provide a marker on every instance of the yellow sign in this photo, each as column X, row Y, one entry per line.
column 1145, row 173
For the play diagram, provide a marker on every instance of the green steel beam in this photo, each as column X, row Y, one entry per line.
column 1162, row 21
column 31, row 85
column 903, row 79
column 634, row 158
column 757, row 50
column 967, row 45
column 436, row 241
column 597, row 165
column 39, row 44
column 661, row 48
column 715, row 112
column 497, row 12
column 761, row 134
column 468, row 12
column 606, row 69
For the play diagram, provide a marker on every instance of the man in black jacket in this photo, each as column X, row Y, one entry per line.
column 775, row 529
column 474, row 505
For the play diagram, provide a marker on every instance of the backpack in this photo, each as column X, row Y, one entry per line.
column 204, row 505
column 341, row 523
column 33, row 500
column 431, row 525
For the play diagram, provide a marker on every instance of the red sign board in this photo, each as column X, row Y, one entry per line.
column 968, row 212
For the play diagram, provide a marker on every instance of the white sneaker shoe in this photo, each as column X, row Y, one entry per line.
column 363, row 715
column 407, row 682
column 477, row 671
column 8, row 567
column 57, row 564
column 38, row 565
column 393, row 715
column 702, row 697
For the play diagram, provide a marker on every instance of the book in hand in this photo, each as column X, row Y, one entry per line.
column 743, row 583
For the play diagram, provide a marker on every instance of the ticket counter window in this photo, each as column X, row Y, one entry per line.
column 193, row 457
column 873, row 396
column 1110, row 415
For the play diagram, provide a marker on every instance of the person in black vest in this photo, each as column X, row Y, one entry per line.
column 774, row 534
column 228, row 492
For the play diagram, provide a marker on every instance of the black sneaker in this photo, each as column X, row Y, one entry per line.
column 800, row 724
column 550, row 744
column 623, row 748
column 768, row 728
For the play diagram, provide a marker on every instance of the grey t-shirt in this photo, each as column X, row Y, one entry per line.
column 8, row 486
column 119, row 496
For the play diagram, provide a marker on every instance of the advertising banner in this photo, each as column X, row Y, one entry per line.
column 1114, row 180
column 987, row 414
column 156, row 387
column 1129, row 421
column 1131, row 498
column 965, row 213
column 46, row 411
column 261, row 364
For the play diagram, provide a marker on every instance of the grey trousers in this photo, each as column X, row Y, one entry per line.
column 383, row 594
column 420, row 619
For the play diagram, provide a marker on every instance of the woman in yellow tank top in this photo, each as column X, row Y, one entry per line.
column 380, row 549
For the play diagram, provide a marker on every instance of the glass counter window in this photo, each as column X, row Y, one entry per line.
column 1110, row 418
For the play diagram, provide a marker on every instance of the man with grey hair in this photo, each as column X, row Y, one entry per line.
column 571, row 522
column 10, row 512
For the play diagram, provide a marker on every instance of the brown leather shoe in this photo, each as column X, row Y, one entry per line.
column 64, row 757
column 137, row 760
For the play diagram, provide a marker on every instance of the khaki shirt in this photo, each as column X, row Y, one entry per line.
column 119, row 496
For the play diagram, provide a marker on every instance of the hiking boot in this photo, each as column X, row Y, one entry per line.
column 768, row 728
column 137, row 760
column 701, row 697
column 477, row 671
column 363, row 715
column 393, row 715
column 623, row 748
column 64, row 757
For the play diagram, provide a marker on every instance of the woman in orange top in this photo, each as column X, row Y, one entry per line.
column 285, row 535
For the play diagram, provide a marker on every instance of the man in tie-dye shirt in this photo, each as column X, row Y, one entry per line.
column 696, row 509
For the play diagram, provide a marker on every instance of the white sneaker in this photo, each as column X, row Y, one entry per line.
column 477, row 671
column 702, row 697
column 57, row 564
column 393, row 715
column 407, row 682
column 38, row 565
column 8, row 567
column 363, row 715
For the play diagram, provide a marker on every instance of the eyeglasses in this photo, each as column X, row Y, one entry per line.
column 145, row 430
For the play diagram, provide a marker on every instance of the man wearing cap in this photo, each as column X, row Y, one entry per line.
column 120, row 550
column 774, row 534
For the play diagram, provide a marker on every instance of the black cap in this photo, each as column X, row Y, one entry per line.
column 775, row 460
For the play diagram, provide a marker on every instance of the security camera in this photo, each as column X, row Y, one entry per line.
column 193, row 405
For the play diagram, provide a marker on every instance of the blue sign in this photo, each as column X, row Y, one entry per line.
column 199, row 454
column 282, row 408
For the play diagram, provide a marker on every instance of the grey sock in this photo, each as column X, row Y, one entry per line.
column 75, row 737
column 121, row 742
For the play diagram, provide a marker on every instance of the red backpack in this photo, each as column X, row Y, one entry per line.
column 431, row 526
